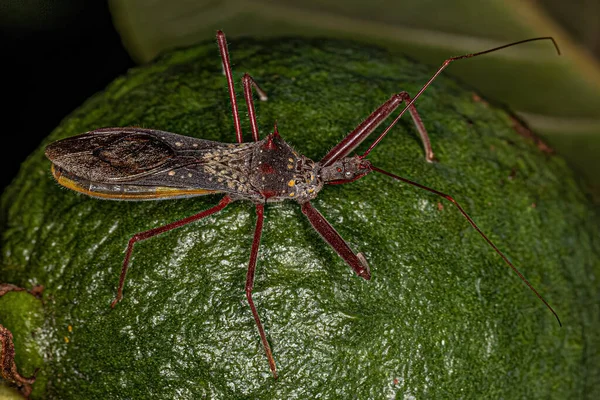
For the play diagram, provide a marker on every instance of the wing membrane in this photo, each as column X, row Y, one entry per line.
column 137, row 163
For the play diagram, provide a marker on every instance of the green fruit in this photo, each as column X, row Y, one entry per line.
column 442, row 317
column 23, row 314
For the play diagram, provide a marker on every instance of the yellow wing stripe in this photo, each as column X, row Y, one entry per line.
column 157, row 193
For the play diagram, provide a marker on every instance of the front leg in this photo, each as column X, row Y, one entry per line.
column 474, row 225
column 365, row 128
column 356, row 261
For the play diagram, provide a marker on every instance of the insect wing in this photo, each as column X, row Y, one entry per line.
column 134, row 164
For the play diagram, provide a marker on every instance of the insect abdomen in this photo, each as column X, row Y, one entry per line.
column 124, row 191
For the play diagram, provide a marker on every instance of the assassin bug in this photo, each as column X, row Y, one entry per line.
column 145, row 164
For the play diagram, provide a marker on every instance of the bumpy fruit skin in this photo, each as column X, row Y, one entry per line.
column 442, row 316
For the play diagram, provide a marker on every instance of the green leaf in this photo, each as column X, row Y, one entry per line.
column 442, row 317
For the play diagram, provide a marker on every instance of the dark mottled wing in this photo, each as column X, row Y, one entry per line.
column 137, row 163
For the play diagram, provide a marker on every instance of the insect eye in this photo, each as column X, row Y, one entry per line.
column 338, row 169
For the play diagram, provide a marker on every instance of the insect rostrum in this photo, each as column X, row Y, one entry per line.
column 146, row 164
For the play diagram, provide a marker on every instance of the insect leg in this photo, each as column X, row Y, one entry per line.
column 439, row 71
column 248, row 84
column 468, row 218
column 250, row 285
column 157, row 231
column 222, row 41
column 356, row 261
column 365, row 128
column 429, row 156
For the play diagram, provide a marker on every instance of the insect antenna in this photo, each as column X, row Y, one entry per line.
column 474, row 225
column 439, row 71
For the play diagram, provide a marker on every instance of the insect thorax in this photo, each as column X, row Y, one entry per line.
column 280, row 173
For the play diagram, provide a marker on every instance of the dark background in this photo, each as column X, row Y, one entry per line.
column 50, row 71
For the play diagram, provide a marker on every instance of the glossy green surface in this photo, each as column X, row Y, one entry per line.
column 23, row 315
column 442, row 315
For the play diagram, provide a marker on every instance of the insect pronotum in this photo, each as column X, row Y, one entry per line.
column 146, row 164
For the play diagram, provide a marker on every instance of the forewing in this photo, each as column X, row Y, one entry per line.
column 125, row 154
column 138, row 164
